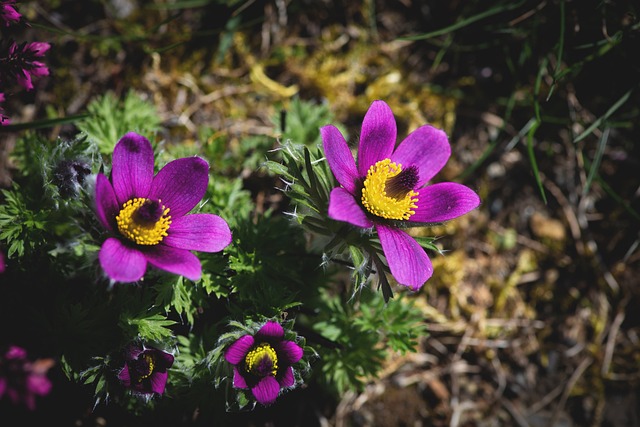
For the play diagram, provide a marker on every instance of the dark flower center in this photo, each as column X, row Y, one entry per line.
column 144, row 366
column 398, row 186
column 262, row 361
column 144, row 221
column 149, row 213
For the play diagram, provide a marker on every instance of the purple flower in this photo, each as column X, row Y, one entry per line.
column 145, row 369
column 22, row 380
column 262, row 362
column 2, row 264
column 4, row 120
column 386, row 188
column 8, row 13
column 147, row 214
column 21, row 62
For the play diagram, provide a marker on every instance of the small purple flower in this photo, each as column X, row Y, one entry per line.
column 4, row 120
column 147, row 214
column 262, row 362
column 21, row 380
column 2, row 263
column 386, row 188
column 22, row 62
column 8, row 13
column 145, row 369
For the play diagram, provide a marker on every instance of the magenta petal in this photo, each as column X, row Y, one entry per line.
column 339, row 157
column 289, row 352
column 174, row 260
column 407, row 260
column 159, row 381
column 287, row 379
column 271, row 329
column 378, row 136
column 343, row 207
column 124, row 376
column 106, row 203
column 238, row 379
column 120, row 262
column 132, row 169
column 427, row 148
column 181, row 184
column 444, row 201
column 239, row 349
column 199, row 232
column 266, row 391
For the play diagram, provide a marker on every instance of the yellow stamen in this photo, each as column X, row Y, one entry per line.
column 151, row 361
column 375, row 198
column 138, row 231
column 254, row 360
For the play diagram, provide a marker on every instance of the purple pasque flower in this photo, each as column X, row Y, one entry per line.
column 145, row 369
column 21, row 380
column 8, row 14
column 21, row 62
column 147, row 214
column 386, row 189
column 262, row 362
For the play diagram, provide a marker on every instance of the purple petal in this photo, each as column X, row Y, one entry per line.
column 287, row 380
column 239, row 349
column 24, row 79
column 266, row 391
column 343, row 207
column 289, row 352
column 427, row 148
column 106, row 203
column 132, row 169
column 124, row 376
column 444, row 201
column 271, row 329
column 174, row 260
column 238, row 379
column 181, row 184
column 159, row 381
column 339, row 157
column 199, row 232
column 120, row 262
column 407, row 260
column 165, row 360
column 378, row 136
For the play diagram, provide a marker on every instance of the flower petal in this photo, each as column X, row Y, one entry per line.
column 239, row 349
column 378, row 136
column 287, row 379
column 427, row 148
column 271, row 330
column 444, row 201
column 174, row 260
column 339, row 157
column 266, row 391
column 159, row 381
column 181, row 184
column 120, row 262
column 343, row 207
column 107, row 206
column 407, row 260
column 238, row 379
column 125, row 376
column 132, row 170
column 289, row 352
column 199, row 232
column 164, row 360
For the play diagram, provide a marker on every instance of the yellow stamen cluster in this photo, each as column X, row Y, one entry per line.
column 255, row 356
column 138, row 231
column 374, row 194
column 151, row 361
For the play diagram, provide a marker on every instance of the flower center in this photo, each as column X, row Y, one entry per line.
column 262, row 361
column 388, row 190
column 144, row 221
column 145, row 367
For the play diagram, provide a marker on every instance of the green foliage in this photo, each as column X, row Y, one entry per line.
column 302, row 120
column 111, row 118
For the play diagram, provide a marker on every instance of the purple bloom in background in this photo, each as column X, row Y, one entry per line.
column 386, row 188
column 145, row 369
column 262, row 362
column 23, row 64
column 22, row 380
column 8, row 13
column 4, row 120
column 2, row 264
column 148, row 214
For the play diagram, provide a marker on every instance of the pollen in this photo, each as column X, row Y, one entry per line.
column 144, row 221
column 149, row 359
column 388, row 190
column 262, row 361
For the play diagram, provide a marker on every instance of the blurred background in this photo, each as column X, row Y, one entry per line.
column 531, row 315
